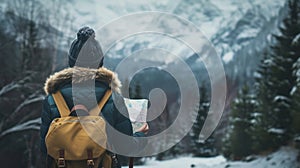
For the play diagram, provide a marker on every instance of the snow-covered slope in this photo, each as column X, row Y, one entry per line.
column 209, row 15
column 231, row 22
column 283, row 158
column 237, row 29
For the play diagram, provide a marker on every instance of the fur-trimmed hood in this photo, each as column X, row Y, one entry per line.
column 79, row 75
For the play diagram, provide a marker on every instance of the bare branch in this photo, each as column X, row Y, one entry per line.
column 29, row 125
column 9, row 87
column 33, row 98
column 13, row 85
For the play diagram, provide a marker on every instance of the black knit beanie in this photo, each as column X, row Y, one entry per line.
column 87, row 48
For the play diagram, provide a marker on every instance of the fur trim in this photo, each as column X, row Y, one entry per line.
column 78, row 75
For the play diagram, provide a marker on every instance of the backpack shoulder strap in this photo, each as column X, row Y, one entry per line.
column 61, row 104
column 97, row 110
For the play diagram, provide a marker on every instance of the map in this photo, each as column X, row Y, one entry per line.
column 137, row 109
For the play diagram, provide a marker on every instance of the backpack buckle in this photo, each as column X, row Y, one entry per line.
column 90, row 163
column 61, row 162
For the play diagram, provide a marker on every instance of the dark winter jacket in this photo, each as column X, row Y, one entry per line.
column 102, row 79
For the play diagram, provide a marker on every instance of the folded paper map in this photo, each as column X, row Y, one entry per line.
column 137, row 109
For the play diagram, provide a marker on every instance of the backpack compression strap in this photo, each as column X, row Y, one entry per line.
column 97, row 110
column 61, row 104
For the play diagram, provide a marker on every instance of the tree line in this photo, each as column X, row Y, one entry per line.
column 29, row 47
column 266, row 115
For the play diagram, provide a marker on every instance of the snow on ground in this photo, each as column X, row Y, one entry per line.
column 284, row 158
column 185, row 162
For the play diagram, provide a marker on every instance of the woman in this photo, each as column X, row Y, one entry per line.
column 74, row 84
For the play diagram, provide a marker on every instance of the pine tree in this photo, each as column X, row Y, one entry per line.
column 241, row 121
column 296, row 99
column 262, row 140
column 295, row 92
column 278, row 80
column 207, row 148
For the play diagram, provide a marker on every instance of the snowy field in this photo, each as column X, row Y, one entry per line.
column 284, row 158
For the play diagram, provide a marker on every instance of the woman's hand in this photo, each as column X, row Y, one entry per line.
column 144, row 128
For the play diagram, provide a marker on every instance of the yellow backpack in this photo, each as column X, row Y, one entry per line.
column 78, row 141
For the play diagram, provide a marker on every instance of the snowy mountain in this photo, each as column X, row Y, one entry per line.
column 236, row 28
column 209, row 15
column 231, row 22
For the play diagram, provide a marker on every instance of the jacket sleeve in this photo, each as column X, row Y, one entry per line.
column 122, row 124
column 121, row 117
column 46, row 121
